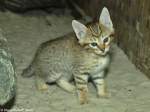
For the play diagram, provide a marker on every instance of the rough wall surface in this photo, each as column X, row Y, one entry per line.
column 131, row 19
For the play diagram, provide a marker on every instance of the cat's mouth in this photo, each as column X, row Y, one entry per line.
column 103, row 52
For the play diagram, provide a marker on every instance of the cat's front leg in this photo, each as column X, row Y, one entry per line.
column 82, row 89
column 100, row 84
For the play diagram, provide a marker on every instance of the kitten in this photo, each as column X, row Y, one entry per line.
column 78, row 56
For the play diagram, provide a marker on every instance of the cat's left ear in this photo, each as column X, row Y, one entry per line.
column 79, row 29
column 105, row 19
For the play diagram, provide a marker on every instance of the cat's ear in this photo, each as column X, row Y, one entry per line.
column 79, row 29
column 105, row 19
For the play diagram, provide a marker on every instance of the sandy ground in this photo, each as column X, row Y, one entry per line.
column 129, row 88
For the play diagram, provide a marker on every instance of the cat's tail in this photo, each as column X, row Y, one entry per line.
column 28, row 72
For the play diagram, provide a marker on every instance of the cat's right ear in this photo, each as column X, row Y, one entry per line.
column 79, row 29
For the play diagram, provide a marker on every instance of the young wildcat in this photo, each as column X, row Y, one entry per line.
column 80, row 56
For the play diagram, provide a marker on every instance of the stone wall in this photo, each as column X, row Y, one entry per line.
column 131, row 20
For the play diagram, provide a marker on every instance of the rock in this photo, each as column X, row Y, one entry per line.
column 7, row 73
column 24, row 5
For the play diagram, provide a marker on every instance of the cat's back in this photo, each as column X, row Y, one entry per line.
column 57, row 50
column 60, row 44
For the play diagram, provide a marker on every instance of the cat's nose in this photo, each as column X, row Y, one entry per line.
column 102, row 48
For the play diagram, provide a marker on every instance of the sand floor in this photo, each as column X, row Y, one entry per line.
column 129, row 88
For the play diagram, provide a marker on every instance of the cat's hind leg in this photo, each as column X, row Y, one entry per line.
column 64, row 84
column 40, row 83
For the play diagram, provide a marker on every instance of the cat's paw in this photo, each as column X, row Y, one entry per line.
column 83, row 98
column 104, row 95
column 71, row 89
column 83, row 101
column 43, row 87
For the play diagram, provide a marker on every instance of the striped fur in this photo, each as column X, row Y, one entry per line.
column 80, row 58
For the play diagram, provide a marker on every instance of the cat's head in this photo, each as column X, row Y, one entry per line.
column 98, row 37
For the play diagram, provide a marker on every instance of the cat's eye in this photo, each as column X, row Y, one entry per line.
column 94, row 44
column 106, row 40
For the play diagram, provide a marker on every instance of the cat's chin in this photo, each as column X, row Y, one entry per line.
column 101, row 53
